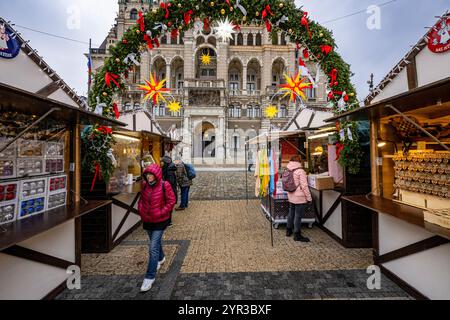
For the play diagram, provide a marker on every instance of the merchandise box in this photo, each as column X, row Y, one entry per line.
column 10, row 152
column 54, row 165
column 31, row 207
column 56, row 200
column 319, row 182
column 30, row 167
column 56, row 184
column 9, row 191
column 8, row 212
column 30, row 148
column 33, row 188
column 8, row 168
column 54, row 150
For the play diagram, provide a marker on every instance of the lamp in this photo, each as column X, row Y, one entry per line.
column 123, row 137
column 382, row 144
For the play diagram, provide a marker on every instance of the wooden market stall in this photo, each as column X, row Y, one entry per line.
column 105, row 228
column 40, row 203
column 410, row 201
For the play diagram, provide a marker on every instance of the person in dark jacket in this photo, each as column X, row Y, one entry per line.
column 184, row 182
column 169, row 174
column 155, row 206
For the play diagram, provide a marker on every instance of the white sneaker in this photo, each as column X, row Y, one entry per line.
column 160, row 264
column 147, row 285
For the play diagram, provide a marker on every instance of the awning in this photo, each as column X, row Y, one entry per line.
column 275, row 135
column 18, row 100
column 435, row 94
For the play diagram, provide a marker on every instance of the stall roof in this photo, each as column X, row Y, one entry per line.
column 14, row 99
column 436, row 94
column 275, row 135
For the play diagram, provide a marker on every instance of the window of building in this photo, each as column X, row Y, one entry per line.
column 311, row 93
column 283, row 112
column 250, row 39
column 127, row 106
column 256, row 112
column 233, row 40
column 274, row 38
column 134, row 14
column 259, row 39
column 164, row 39
column 240, row 39
column 283, row 39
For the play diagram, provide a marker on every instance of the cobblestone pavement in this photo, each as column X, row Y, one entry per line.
column 222, row 250
column 222, row 186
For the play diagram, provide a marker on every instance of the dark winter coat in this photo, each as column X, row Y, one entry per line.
column 182, row 176
column 169, row 171
column 153, row 206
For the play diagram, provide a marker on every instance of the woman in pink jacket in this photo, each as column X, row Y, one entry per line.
column 298, row 200
column 155, row 207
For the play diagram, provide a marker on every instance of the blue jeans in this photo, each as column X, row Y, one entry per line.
column 184, row 197
column 156, row 253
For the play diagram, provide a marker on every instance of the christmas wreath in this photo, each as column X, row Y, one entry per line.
column 223, row 18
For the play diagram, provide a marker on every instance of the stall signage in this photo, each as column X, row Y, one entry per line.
column 439, row 37
column 9, row 44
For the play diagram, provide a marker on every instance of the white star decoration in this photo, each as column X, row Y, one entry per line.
column 224, row 30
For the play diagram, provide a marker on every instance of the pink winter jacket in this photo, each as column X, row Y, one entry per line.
column 302, row 194
column 153, row 208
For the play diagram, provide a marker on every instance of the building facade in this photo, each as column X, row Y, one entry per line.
column 224, row 101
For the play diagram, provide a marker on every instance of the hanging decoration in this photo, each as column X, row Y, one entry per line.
column 206, row 59
column 294, row 87
column 170, row 19
column 224, row 30
column 154, row 89
column 174, row 107
column 271, row 112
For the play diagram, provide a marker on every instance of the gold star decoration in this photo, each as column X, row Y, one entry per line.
column 154, row 89
column 271, row 112
column 295, row 87
column 206, row 59
column 174, row 107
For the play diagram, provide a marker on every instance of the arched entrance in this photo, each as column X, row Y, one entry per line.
column 205, row 141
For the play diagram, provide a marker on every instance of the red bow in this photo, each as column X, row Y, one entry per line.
column 156, row 41
column 326, row 49
column 105, row 130
column 304, row 21
column 228, row 2
column 111, row 77
column 166, row 7
column 116, row 110
column 346, row 98
column 149, row 41
column 96, row 175
column 187, row 17
column 206, row 24
column 305, row 53
column 265, row 15
column 141, row 21
column 174, row 33
column 339, row 148
column 333, row 77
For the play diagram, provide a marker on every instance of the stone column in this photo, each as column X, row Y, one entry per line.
column 244, row 79
column 168, row 76
column 187, row 139
column 220, row 141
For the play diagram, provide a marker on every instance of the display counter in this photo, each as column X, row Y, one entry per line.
column 409, row 249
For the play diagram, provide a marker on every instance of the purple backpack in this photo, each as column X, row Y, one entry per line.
column 288, row 180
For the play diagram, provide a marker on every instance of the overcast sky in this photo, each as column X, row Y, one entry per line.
column 377, row 51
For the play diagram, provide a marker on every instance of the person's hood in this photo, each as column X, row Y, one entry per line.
column 155, row 170
column 167, row 160
column 293, row 165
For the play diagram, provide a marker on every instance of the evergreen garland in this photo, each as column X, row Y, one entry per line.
column 314, row 40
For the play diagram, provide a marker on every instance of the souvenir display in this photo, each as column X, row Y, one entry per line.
column 31, row 207
column 9, row 152
column 54, row 165
column 54, row 150
column 56, row 200
column 30, row 167
column 425, row 172
column 8, row 191
column 7, row 168
column 57, row 184
column 30, row 148
column 8, row 212
column 33, row 188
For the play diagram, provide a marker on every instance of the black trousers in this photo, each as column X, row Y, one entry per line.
column 296, row 214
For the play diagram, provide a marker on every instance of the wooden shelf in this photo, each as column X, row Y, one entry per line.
column 22, row 230
column 403, row 212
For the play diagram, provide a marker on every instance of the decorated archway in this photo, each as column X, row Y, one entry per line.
column 223, row 19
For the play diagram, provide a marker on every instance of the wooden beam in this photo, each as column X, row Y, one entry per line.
column 32, row 255
column 129, row 209
column 48, row 90
column 411, row 70
column 418, row 247
column 331, row 211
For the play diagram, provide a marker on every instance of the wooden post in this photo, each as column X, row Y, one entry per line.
column 157, row 150
column 374, row 156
